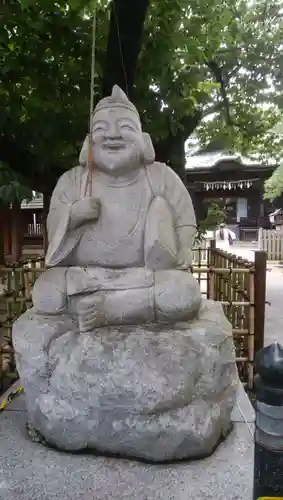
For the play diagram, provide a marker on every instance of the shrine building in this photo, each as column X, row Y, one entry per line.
column 236, row 184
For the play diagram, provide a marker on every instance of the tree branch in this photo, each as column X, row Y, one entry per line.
column 190, row 122
column 217, row 72
column 219, row 78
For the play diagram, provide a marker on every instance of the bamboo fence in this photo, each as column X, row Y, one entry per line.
column 237, row 284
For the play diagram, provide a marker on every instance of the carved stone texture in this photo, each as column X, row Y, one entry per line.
column 154, row 392
column 103, row 357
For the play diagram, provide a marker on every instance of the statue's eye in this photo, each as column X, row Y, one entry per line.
column 98, row 129
column 127, row 127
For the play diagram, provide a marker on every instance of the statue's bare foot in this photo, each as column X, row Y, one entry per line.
column 34, row 435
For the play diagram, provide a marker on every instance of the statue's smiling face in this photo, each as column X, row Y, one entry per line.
column 117, row 140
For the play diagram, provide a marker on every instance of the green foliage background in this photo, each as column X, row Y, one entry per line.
column 206, row 67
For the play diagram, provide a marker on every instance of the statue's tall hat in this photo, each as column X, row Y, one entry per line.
column 118, row 99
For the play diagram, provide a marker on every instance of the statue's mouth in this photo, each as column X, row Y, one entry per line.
column 114, row 146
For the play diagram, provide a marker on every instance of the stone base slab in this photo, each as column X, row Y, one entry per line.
column 30, row 471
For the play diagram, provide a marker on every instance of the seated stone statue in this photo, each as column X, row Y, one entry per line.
column 118, row 352
column 119, row 256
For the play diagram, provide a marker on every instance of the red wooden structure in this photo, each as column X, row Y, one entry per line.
column 23, row 226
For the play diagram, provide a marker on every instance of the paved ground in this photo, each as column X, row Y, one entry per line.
column 274, row 311
column 274, row 295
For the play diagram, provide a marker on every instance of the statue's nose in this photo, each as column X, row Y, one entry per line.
column 113, row 131
column 113, row 137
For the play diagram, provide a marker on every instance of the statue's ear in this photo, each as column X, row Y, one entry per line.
column 84, row 153
column 149, row 153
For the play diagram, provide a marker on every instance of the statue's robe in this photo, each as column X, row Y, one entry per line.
column 116, row 239
column 112, row 255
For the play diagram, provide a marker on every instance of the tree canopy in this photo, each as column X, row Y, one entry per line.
column 274, row 185
column 12, row 187
column 209, row 67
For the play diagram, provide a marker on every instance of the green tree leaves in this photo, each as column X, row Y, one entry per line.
column 12, row 188
column 274, row 185
column 200, row 59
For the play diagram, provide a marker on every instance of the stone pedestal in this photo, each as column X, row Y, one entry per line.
column 155, row 392
column 31, row 471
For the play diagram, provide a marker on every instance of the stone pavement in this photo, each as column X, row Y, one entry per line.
column 274, row 311
column 29, row 471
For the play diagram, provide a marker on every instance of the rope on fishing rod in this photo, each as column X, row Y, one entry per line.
column 89, row 158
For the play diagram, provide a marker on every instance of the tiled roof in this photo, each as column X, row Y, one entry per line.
column 211, row 159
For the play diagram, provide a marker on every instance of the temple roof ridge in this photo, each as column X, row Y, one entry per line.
column 210, row 159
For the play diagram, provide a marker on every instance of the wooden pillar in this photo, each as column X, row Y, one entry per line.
column 197, row 200
column 5, row 230
column 16, row 231
column 259, row 298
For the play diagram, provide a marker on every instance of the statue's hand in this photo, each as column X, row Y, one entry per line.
column 88, row 208
column 85, row 209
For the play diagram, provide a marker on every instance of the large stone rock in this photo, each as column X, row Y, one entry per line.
column 154, row 392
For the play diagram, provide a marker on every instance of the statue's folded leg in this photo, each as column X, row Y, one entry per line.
column 177, row 296
column 116, row 307
column 102, row 297
column 49, row 293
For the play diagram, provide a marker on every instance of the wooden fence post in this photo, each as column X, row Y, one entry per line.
column 259, row 296
column 16, row 231
column 210, row 249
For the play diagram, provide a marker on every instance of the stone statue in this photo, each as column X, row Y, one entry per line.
column 119, row 353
